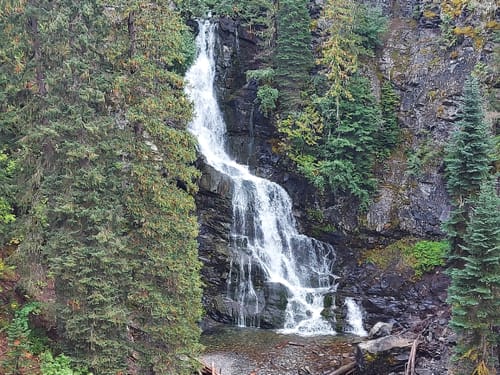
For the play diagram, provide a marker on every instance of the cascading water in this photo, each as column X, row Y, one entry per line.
column 264, row 238
column 354, row 318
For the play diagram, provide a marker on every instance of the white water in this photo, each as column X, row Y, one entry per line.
column 264, row 238
column 354, row 318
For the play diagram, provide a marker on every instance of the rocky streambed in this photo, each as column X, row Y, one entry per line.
column 250, row 351
column 244, row 351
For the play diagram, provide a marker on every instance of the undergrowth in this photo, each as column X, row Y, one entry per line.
column 409, row 253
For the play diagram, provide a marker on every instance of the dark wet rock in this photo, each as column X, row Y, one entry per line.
column 276, row 299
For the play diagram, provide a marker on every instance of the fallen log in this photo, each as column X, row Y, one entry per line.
column 343, row 369
column 208, row 370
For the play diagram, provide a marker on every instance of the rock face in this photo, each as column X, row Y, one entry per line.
column 411, row 199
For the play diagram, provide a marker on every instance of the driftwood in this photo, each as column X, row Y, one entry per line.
column 344, row 369
column 291, row 343
column 208, row 370
column 410, row 366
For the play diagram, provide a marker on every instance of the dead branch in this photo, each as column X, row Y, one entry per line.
column 410, row 365
column 343, row 369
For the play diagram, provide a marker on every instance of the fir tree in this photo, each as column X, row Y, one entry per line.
column 293, row 58
column 467, row 160
column 474, row 293
column 164, row 295
column 348, row 154
column 106, row 183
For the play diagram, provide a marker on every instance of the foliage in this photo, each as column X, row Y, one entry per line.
column 265, row 75
column 60, row 365
column 293, row 58
column 467, row 159
column 339, row 52
column 344, row 158
column 350, row 30
column 94, row 98
column 419, row 256
column 426, row 154
column 267, row 98
column 251, row 12
column 474, row 293
column 7, row 166
column 340, row 130
column 389, row 105
column 369, row 25
column 20, row 341
column 429, row 254
column 448, row 37
column 301, row 129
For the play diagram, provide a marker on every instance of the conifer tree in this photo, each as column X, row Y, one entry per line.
column 293, row 58
column 340, row 49
column 474, row 293
column 106, row 181
column 467, row 160
column 349, row 151
column 164, row 295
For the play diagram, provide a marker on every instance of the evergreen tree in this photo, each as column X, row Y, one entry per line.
column 164, row 297
column 293, row 58
column 389, row 105
column 106, row 182
column 474, row 293
column 349, row 151
column 340, row 50
column 467, row 160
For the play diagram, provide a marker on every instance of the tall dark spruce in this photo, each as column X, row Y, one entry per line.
column 467, row 161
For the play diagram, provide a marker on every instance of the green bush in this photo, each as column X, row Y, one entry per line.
column 407, row 253
column 265, row 75
column 60, row 365
column 267, row 97
column 428, row 254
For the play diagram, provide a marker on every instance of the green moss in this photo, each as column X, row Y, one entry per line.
column 409, row 254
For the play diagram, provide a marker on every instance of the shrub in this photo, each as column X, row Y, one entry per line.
column 267, row 97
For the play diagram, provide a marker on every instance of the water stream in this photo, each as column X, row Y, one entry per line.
column 354, row 318
column 267, row 249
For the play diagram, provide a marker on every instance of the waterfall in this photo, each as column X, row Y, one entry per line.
column 264, row 238
column 354, row 318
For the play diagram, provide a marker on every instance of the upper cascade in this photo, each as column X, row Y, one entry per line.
column 264, row 237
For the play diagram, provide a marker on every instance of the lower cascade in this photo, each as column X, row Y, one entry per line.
column 354, row 318
column 269, row 256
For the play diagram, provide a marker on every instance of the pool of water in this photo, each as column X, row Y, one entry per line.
column 245, row 351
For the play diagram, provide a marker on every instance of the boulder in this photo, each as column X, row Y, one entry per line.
column 380, row 329
column 384, row 355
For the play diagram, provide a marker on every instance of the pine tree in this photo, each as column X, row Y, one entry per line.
column 474, row 293
column 161, row 250
column 348, row 154
column 106, row 183
column 293, row 58
column 467, row 160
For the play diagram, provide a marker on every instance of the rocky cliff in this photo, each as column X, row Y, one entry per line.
column 428, row 70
